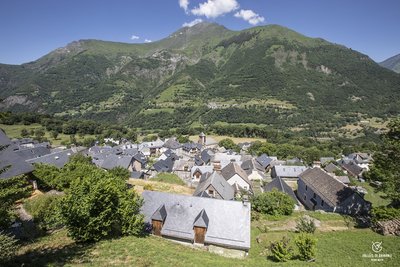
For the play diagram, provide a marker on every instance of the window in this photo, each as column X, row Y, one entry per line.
column 322, row 203
column 211, row 192
column 315, row 195
column 305, row 197
column 306, row 188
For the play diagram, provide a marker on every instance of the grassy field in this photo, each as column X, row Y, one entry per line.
column 14, row 131
column 236, row 140
column 376, row 198
column 334, row 248
column 160, row 186
column 168, row 178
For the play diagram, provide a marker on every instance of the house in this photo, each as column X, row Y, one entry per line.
column 204, row 158
column 320, row 191
column 343, row 178
column 172, row 144
column 280, row 185
column 112, row 161
column 287, row 172
column 352, row 168
column 34, row 152
column 253, row 169
column 197, row 171
column 57, row 159
column 153, row 147
column 139, row 161
column 331, row 168
column 11, row 164
column 236, row 177
column 264, row 161
column 191, row 147
column 198, row 220
column 220, row 160
column 164, row 165
column 326, row 160
column 215, row 186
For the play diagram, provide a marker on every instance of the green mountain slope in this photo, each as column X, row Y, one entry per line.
column 392, row 63
column 206, row 74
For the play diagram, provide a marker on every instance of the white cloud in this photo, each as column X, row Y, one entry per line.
column 184, row 4
column 147, row 41
column 134, row 37
column 215, row 8
column 250, row 16
column 192, row 23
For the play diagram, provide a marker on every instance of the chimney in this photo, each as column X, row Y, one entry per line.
column 245, row 200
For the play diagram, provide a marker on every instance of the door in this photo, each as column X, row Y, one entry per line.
column 199, row 235
column 157, row 225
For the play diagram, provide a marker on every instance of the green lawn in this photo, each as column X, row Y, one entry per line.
column 169, row 178
column 341, row 248
column 376, row 198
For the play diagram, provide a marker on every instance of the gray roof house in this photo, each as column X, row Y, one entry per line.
column 113, row 161
column 264, row 161
column 58, row 159
column 172, row 143
column 331, row 168
column 236, row 176
column 215, row 186
column 280, row 185
column 287, row 172
column 198, row 220
column 197, row 171
column 320, row 191
column 34, row 152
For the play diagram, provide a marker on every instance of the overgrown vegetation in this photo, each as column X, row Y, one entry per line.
column 169, row 178
column 8, row 247
column 273, row 203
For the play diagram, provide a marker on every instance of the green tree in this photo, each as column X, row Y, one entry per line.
column 273, row 203
column 54, row 134
column 228, row 143
column 8, row 247
column 11, row 190
column 386, row 167
column 39, row 133
column 120, row 172
column 24, row 133
column 281, row 250
column 98, row 206
column 306, row 245
column 46, row 211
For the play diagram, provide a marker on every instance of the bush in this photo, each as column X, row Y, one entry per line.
column 306, row 245
column 281, row 250
column 99, row 206
column 273, row 203
column 8, row 247
column 148, row 187
column 384, row 213
column 45, row 210
column 120, row 172
column 306, row 225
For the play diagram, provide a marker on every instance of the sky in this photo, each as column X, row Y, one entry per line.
column 30, row 29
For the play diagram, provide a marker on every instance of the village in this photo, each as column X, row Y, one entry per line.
column 222, row 182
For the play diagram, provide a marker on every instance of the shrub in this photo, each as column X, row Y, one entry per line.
column 8, row 247
column 120, row 172
column 148, row 187
column 281, row 250
column 45, row 210
column 306, row 245
column 273, row 203
column 306, row 225
column 99, row 206
column 384, row 213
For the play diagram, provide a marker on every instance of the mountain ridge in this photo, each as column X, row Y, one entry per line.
column 392, row 63
column 206, row 74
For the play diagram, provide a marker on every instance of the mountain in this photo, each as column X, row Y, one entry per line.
column 392, row 63
column 207, row 75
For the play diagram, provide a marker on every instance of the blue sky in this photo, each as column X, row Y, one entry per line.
column 32, row 28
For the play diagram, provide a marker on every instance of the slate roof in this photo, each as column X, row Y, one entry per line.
column 281, row 186
column 264, row 160
column 202, row 169
column 111, row 161
column 352, row 168
column 130, row 151
column 140, row 157
column 220, row 185
column 228, row 221
column 331, row 168
column 324, row 160
column 58, row 159
column 189, row 146
column 249, row 165
column 137, row 175
column 288, row 171
column 360, row 157
column 34, row 152
column 344, row 179
column 233, row 168
column 327, row 187
column 10, row 161
column 202, row 219
column 172, row 143
column 164, row 165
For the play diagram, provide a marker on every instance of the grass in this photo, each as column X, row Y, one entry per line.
column 168, row 178
column 340, row 248
column 14, row 131
column 160, row 186
column 236, row 140
column 376, row 198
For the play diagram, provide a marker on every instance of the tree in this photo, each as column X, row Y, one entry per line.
column 273, row 203
column 8, row 247
column 228, row 143
column 306, row 245
column 281, row 250
column 386, row 167
column 39, row 133
column 54, row 134
column 11, row 190
column 99, row 205
column 24, row 133
column 120, row 172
